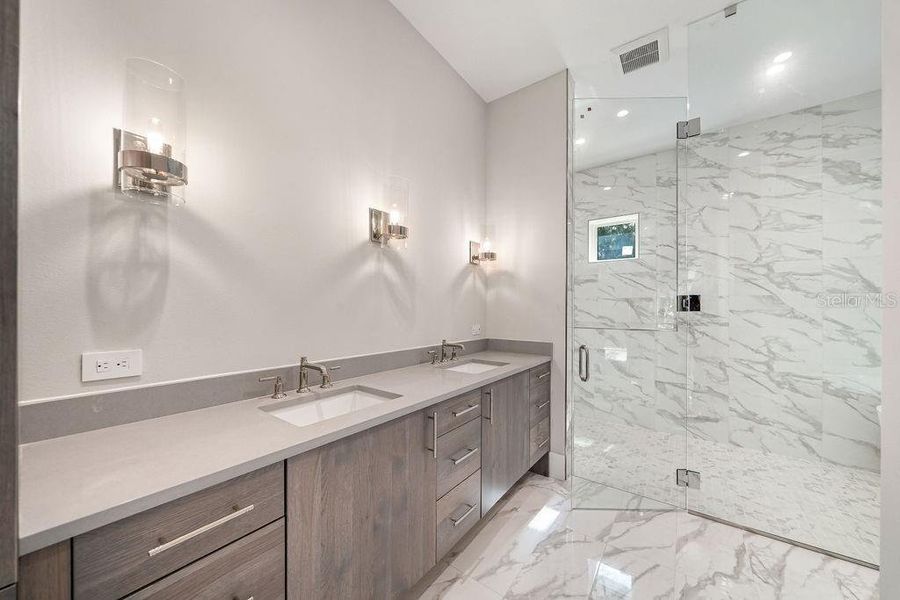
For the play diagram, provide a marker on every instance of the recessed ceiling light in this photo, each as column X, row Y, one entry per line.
column 782, row 57
column 775, row 69
column 580, row 141
column 622, row 113
column 607, row 188
column 743, row 154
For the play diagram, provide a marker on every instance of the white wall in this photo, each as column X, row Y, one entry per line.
column 297, row 112
column 526, row 208
column 890, row 440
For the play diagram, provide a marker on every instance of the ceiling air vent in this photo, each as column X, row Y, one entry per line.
column 643, row 52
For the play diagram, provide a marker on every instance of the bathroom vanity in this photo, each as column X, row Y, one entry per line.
column 362, row 505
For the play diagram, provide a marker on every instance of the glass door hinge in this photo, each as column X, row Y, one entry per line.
column 687, row 478
column 687, row 129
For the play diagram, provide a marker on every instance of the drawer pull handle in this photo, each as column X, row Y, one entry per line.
column 540, row 406
column 464, row 515
column 466, row 410
column 199, row 531
column 434, row 434
column 547, row 374
column 544, row 443
column 472, row 451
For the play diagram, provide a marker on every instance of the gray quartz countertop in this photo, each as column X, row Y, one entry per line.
column 73, row 484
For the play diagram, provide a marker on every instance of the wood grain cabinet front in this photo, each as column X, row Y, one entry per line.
column 115, row 560
column 458, row 456
column 361, row 514
column 539, row 440
column 458, row 512
column 504, row 437
column 251, row 568
column 455, row 412
column 539, row 375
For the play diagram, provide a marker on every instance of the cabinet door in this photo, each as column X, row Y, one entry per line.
column 360, row 514
column 504, row 437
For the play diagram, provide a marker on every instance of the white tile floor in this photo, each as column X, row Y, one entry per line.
column 538, row 546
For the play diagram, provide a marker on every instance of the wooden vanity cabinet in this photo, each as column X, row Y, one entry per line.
column 361, row 513
column 505, row 431
column 363, row 517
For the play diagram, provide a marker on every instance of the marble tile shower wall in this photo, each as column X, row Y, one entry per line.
column 780, row 233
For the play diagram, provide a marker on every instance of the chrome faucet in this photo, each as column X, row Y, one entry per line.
column 454, row 348
column 305, row 366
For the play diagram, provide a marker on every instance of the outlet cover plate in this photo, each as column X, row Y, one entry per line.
column 96, row 366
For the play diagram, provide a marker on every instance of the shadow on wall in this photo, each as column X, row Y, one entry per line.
column 468, row 277
column 379, row 272
column 127, row 264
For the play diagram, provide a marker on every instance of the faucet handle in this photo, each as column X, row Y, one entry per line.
column 279, row 385
column 433, row 355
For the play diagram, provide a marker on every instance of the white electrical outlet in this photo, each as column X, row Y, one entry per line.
column 476, row 329
column 111, row 365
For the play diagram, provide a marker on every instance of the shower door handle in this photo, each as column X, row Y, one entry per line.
column 584, row 363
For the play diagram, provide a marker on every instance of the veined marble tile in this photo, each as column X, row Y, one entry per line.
column 548, row 547
column 635, row 172
column 761, row 234
column 452, row 585
column 854, row 275
column 852, row 223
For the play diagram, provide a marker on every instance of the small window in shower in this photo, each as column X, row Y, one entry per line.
column 613, row 238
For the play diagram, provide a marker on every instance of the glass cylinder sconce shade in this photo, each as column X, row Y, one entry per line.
column 389, row 222
column 150, row 152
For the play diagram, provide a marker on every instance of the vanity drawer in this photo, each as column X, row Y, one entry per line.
column 456, row 411
column 539, row 403
column 539, row 375
column 117, row 559
column 458, row 456
column 458, row 512
column 252, row 567
column 540, row 439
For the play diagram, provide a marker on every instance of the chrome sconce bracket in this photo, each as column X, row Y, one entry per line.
column 381, row 230
column 142, row 172
column 474, row 253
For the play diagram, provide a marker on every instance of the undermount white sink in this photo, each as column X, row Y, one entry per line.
column 475, row 366
column 317, row 407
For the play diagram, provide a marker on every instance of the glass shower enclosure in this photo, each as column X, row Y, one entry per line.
column 763, row 402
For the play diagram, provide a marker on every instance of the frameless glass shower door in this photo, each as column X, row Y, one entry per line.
column 781, row 238
column 627, row 352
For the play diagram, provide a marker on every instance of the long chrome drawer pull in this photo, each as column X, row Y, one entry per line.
column 544, row 443
column 540, row 406
column 547, row 374
column 434, row 438
column 199, row 531
column 466, row 410
column 456, row 461
column 464, row 515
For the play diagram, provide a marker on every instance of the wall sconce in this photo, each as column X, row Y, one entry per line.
column 150, row 146
column 386, row 225
column 382, row 227
column 481, row 252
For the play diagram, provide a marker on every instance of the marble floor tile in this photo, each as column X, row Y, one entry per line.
column 540, row 544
